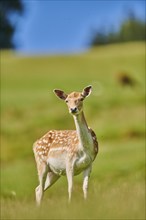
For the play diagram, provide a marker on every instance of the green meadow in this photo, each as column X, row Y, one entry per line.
column 115, row 112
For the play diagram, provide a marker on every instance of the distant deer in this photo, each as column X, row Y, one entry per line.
column 125, row 79
column 66, row 152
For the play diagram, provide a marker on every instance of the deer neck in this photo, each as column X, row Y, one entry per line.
column 83, row 132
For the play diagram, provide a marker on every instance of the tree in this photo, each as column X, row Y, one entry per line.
column 7, row 28
column 99, row 38
column 131, row 29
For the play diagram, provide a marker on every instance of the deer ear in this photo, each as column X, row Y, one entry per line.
column 60, row 94
column 87, row 91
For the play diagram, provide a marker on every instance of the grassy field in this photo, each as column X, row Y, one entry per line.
column 116, row 113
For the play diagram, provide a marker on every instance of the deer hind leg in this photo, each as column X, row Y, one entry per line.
column 86, row 175
column 42, row 173
column 50, row 179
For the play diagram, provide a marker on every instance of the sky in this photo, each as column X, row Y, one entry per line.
column 57, row 26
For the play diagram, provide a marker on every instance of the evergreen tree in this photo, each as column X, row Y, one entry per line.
column 131, row 29
column 7, row 28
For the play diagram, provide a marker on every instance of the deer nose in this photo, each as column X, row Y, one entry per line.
column 73, row 110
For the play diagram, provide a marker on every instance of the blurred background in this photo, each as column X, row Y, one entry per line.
column 69, row 45
column 40, row 27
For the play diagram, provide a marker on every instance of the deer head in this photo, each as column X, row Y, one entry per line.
column 74, row 100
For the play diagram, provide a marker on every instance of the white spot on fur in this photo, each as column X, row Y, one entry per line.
column 45, row 141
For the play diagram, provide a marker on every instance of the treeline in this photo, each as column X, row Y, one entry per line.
column 131, row 29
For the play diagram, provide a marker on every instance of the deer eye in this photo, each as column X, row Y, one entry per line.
column 81, row 99
column 66, row 101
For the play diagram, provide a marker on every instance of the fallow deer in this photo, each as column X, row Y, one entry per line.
column 66, row 152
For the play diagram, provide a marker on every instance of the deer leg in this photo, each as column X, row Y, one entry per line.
column 69, row 173
column 50, row 180
column 86, row 175
column 42, row 172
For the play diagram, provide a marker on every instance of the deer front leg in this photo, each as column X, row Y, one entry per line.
column 86, row 175
column 69, row 174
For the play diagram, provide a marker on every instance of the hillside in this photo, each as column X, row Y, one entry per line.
column 115, row 111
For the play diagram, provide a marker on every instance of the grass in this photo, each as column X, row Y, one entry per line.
column 117, row 114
